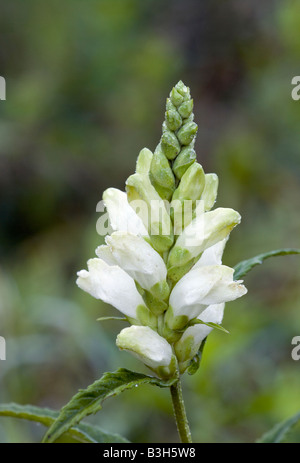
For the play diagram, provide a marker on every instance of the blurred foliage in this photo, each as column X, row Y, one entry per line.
column 86, row 89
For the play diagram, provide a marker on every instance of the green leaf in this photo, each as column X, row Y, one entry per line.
column 90, row 400
column 104, row 319
column 280, row 431
column 82, row 433
column 196, row 321
column 195, row 362
column 245, row 266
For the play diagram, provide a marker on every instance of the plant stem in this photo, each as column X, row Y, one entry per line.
column 180, row 413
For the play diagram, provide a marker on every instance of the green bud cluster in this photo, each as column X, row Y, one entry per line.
column 172, row 175
column 175, row 152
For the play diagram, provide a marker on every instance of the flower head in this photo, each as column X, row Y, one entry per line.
column 161, row 265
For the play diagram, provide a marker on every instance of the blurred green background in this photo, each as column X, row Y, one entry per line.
column 86, row 89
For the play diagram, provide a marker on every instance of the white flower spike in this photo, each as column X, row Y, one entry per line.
column 161, row 265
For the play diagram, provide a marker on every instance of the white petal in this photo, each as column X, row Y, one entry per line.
column 207, row 229
column 226, row 289
column 146, row 345
column 212, row 255
column 213, row 314
column 104, row 253
column 197, row 333
column 110, row 284
column 137, row 257
column 204, row 286
column 121, row 215
column 188, row 294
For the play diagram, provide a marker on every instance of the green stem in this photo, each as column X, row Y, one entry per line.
column 180, row 413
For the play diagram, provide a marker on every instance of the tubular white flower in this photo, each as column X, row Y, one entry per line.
column 194, row 335
column 138, row 258
column 212, row 255
column 121, row 215
column 112, row 285
column 104, row 253
column 145, row 344
column 203, row 232
column 199, row 288
column 189, row 343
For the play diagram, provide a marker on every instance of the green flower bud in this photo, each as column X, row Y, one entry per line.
column 187, row 133
column 184, row 160
column 186, row 108
column 183, row 90
column 149, row 206
column 189, row 119
column 169, row 144
column 192, row 184
column 170, row 106
column 210, row 191
column 144, row 161
column 161, row 175
column 173, row 120
column 189, row 189
column 176, row 97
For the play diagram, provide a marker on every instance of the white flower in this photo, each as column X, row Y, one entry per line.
column 188, row 345
column 138, row 258
column 148, row 346
column 104, row 253
column 112, row 285
column 210, row 191
column 203, row 232
column 212, row 255
column 121, row 215
column 200, row 287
